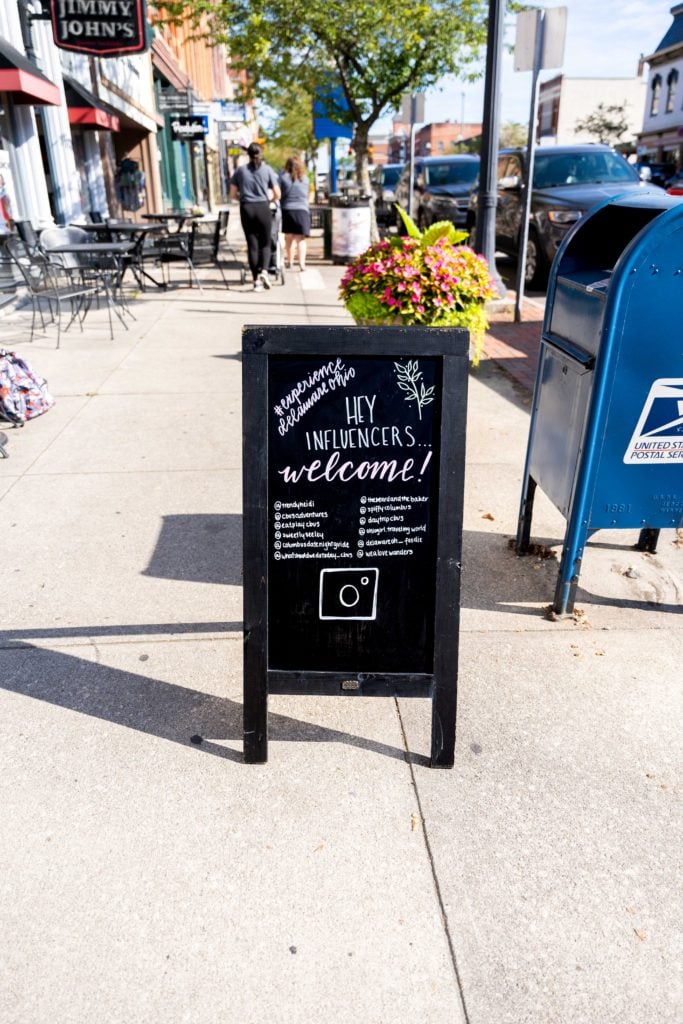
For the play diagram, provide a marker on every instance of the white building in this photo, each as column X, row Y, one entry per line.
column 563, row 101
column 661, row 138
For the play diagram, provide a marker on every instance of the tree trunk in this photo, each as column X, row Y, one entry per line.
column 360, row 148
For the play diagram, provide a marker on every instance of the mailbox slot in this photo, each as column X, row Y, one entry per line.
column 584, row 273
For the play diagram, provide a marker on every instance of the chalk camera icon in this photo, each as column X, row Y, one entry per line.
column 348, row 593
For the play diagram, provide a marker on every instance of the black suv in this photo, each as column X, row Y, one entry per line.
column 568, row 180
column 442, row 188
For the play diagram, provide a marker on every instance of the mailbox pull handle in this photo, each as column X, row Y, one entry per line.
column 599, row 286
column 585, row 359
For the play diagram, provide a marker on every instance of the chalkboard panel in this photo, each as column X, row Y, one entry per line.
column 352, row 502
column 353, row 474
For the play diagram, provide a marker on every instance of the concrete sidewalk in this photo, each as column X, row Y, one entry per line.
column 150, row 876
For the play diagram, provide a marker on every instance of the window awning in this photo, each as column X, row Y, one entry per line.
column 20, row 77
column 85, row 110
column 164, row 61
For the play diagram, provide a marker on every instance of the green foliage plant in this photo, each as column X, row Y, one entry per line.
column 374, row 53
column 426, row 278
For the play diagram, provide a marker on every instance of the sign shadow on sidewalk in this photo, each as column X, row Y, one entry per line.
column 166, row 710
column 199, row 548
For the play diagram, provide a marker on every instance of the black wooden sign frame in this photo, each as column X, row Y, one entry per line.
column 266, row 350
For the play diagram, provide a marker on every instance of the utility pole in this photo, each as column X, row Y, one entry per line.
column 485, row 235
column 529, row 176
column 539, row 45
column 411, row 153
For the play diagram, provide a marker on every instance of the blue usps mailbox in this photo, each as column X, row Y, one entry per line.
column 606, row 434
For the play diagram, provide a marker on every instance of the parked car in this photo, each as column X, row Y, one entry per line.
column 384, row 180
column 442, row 188
column 568, row 180
column 675, row 186
column 657, row 174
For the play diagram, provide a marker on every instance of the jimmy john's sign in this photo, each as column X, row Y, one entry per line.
column 104, row 28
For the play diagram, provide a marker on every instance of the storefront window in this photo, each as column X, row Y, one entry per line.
column 80, row 158
column 671, row 83
column 656, row 91
column 8, row 202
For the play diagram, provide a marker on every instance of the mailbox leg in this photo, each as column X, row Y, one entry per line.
column 570, row 569
column 647, row 541
column 525, row 513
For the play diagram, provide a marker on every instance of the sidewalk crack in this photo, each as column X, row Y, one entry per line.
column 432, row 865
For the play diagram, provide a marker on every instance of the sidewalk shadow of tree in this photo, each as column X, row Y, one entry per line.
column 204, row 548
column 166, row 710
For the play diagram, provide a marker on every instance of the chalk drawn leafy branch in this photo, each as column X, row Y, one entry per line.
column 409, row 378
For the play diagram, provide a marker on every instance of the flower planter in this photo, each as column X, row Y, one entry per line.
column 426, row 279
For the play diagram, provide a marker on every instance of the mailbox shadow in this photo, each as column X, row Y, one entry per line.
column 199, row 549
column 496, row 578
column 158, row 708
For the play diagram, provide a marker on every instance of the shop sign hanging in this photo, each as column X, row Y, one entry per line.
column 172, row 101
column 193, row 128
column 104, row 28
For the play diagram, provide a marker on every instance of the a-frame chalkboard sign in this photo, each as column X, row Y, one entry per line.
column 354, row 456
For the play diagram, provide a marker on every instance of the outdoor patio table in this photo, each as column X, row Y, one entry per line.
column 116, row 250
column 122, row 228
column 173, row 216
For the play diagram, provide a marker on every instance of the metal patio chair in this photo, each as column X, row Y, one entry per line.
column 230, row 260
column 173, row 248
column 205, row 241
column 27, row 233
column 51, row 283
column 99, row 270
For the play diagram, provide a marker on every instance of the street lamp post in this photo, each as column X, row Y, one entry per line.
column 485, row 236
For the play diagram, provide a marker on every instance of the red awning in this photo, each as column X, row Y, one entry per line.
column 20, row 77
column 85, row 110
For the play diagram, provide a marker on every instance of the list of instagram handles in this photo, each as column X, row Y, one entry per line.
column 384, row 527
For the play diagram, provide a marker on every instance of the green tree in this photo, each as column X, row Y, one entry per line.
column 291, row 129
column 512, row 133
column 607, row 123
column 374, row 52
